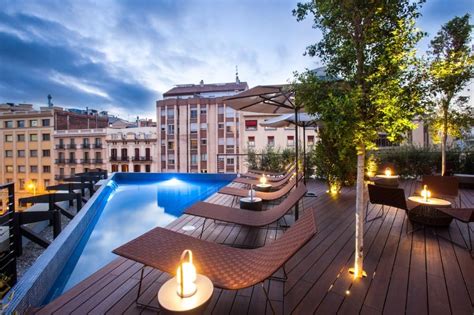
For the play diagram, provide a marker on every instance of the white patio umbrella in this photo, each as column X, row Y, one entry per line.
column 270, row 99
column 300, row 120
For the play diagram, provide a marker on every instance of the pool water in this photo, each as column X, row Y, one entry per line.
column 129, row 207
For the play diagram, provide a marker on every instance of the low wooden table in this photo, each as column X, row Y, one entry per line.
column 384, row 180
column 171, row 303
column 263, row 187
column 254, row 204
column 426, row 212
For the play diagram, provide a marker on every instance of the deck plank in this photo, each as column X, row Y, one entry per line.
column 415, row 274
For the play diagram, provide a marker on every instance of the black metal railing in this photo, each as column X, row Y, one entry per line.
column 97, row 145
column 86, row 161
column 60, row 146
column 97, row 161
column 71, row 146
column 86, row 145
column 71, row 161
column 60, row 161
column 8, row 243
column 142, row 158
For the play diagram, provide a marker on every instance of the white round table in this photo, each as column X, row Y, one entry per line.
column 384, row 180
column 170, row 302
column 263, row 187
column 426, row 212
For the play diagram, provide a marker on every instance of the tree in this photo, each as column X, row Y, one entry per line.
column 370, row 46
column 451, row 68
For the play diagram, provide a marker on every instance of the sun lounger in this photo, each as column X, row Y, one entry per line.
column 246, row 217
column 271, row 176
column 227, row 267
column 275, row 184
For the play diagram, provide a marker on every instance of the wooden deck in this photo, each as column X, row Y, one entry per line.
column 418, row 273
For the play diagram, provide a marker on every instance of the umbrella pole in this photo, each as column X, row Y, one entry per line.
column 304, row 154
column 296, row 153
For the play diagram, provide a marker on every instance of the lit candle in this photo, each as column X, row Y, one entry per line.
column 186, row 275
column 388, row 171
column 263, row 180
column 425, row 193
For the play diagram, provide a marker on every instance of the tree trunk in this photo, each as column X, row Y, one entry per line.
column 360, row 214
column 444, row 138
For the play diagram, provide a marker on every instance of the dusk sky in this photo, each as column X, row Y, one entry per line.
column 121, row 56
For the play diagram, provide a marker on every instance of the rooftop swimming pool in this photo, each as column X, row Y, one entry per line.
column 128, row 206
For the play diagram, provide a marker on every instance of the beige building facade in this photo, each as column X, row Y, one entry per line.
column 132, row 150
column 26, row 142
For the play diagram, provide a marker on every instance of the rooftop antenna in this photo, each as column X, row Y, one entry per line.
column 237, row 80
column 50, row 104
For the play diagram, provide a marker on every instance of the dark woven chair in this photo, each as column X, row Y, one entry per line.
column 443, row 187
column 465, row 215
column 246, row 217
column 386, row 196
column 227, row 267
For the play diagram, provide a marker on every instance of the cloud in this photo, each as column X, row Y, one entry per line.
column 122, row 55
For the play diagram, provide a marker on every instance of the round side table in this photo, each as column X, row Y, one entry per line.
column 384, row 180
column 263, row 187
column 254, row 204
column 426, row 212
column 171, row 303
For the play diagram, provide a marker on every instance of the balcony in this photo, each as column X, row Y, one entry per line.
column 142, row 158
column 119, row 159
column 86, row 161
column 71, row 146
column 97, row 161
column 60, row 146
column 97, row 146
column 71, row 161
column 60, row 161
column 60, row 177
column 86, row 145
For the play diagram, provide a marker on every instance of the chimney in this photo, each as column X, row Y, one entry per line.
column 201, row 83
column 50, row 104
column 237, row 80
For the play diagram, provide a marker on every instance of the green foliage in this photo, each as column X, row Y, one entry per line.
column 451, row 67
column 270, row 159
column 413, row 161
column 370, row 46
column 252, row 159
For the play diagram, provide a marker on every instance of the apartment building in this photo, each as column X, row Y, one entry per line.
column 132, row 150
column 79, row 141
column 26, row 142
column 197, row 131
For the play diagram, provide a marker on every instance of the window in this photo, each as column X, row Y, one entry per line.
column 33, row 137
column 20, row 123
column 229, row 112
column 310, row 140
column 21, row 169
column 20, row 138
column 203, row 141
column 230, row 126
column 136, row 168
column 170, row 113
column 8, row 153
column 73, row 171
column 170, row 129
column 20, row 153
column 194, row 128
column 46, row 137
column 34, row 168
column 251, row 142
column 163, row 112
column 45, row 122
column 46, row 169
column 230, row 141
column 271, row 141
column 33, row 153
column 46, row 183
column 9, row 169
column 46, row 153
column 203, row 126
column 204, row 157
column 220, row 109
column 290, row 141
column 194, row 144
column 250, row 125
column 230, row 161
column 114, row 168
column 270, row 128
column 148, row 168
column 8, row 124
column 170, row 158
column 170, row 145
column 22, row 184
column 194, row 159
column 203, row 110
column 193, row 113
column 220, row 125
column 33, row 123
column 8, row 138
column 221, row 141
